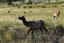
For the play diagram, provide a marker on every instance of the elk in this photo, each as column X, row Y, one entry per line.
column 56, row 14
column 34, row 25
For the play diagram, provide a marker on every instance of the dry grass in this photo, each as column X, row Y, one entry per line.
column 36, row 14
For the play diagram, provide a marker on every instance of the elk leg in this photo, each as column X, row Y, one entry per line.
column 54, row 17
column 32, row 34
column 45, row 29
column 29, row 31
column 41, row 30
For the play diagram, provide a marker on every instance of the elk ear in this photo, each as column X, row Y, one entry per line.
column 19, row 17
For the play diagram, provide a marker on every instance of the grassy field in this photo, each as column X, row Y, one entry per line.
column 39, row 13
column 36, row 14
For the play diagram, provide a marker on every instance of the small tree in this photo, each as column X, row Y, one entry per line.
column 30, row 2
column 9, row 2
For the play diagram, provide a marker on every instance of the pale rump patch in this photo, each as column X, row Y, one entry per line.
column 54, row 14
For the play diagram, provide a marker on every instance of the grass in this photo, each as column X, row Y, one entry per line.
column 36, row 14
column 11, row 19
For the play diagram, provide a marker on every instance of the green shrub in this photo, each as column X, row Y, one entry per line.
column 24, row 6
column 30, row 7
column 43, row 6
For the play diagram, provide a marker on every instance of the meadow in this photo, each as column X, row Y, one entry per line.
column 9, row 20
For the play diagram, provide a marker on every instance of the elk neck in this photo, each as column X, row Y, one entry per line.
column 25, row 22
